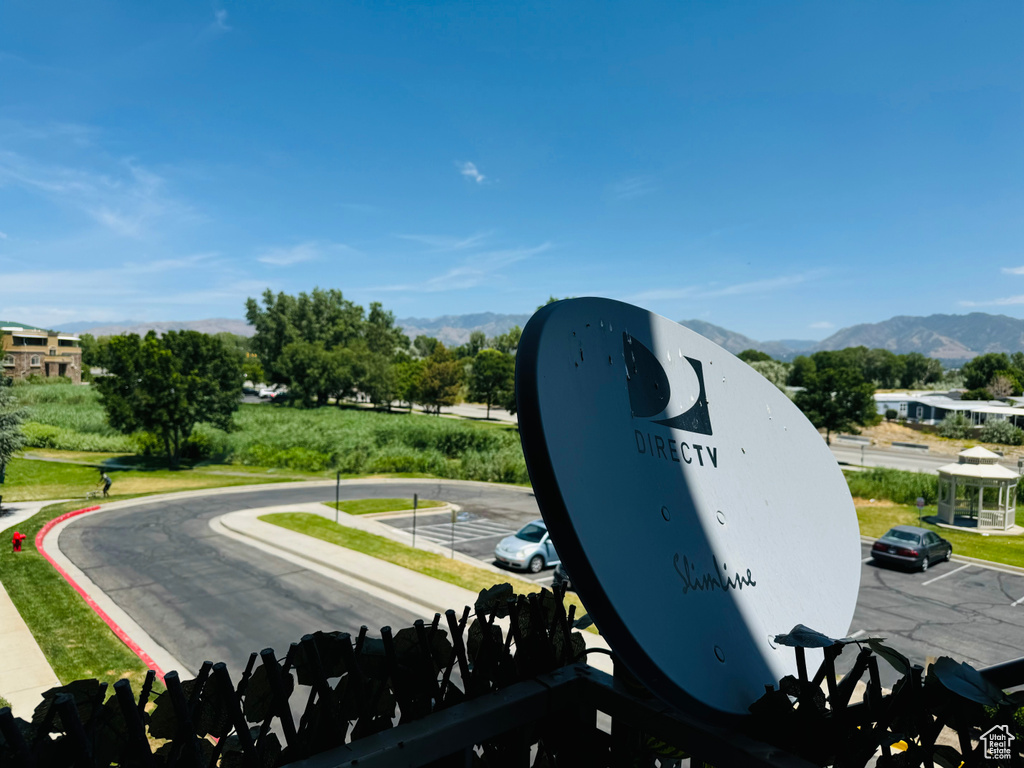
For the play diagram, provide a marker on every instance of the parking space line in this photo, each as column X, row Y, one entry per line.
column 867, row 560
column 1017, row 602
column 944, row 575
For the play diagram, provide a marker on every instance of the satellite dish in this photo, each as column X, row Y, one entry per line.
column 698, row 511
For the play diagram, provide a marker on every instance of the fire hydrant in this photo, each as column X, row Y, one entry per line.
column 17, row 539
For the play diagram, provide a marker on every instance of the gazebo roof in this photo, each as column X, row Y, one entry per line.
column 979, row 471
column 979, row 455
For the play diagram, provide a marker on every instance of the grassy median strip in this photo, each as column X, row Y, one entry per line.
column 875, row 519
column 75, row 641
column 373, row 506
column 428, row 563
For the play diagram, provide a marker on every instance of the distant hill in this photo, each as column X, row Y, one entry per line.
column 213, row 325
column 952, row 338
column 453, row 330
column 737, row 342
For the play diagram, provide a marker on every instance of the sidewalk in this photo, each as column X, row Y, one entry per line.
column 367, row 572
column 25, row 673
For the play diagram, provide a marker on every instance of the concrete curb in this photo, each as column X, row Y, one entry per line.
column 365, row 571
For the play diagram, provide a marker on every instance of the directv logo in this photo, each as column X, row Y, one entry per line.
column 650, row 392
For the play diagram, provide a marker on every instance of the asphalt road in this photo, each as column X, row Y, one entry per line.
column 203, row 596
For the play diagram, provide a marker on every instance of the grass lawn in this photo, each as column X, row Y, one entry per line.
column 875, row 519
column 33, row 480
column 446, row 569
column 75, row 641
column 372, row 506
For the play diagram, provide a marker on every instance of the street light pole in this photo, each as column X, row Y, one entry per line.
column 337, row 497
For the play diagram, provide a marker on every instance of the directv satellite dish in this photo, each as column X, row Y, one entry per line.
column 697, row 510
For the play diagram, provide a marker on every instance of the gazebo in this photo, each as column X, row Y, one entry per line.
column 979, row 490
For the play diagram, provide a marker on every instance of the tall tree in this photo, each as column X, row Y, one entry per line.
column 317, row 374
column 381, row 334
column 836, row 399
column 323, row 317
column 508, row 342
column 166, row 385
column 493, row 374
column 439, row 380
column 11, row 418
column 979, row 371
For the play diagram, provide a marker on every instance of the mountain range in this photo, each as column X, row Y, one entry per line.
column 949, row 338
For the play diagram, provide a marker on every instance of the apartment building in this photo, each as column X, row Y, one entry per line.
column 27, row 350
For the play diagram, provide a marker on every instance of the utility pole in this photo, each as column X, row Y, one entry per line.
column 337, row 498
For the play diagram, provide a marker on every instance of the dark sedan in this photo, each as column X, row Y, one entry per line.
column 913, row 547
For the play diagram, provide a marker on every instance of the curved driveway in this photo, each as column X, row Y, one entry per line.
column 204, row 596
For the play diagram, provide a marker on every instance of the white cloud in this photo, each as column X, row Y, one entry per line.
column 443, row 243
column 219, row 26
column 635, row 186
column 1004, row 302
column 738, row 289
column 469, row 170
column 311, row 250
column 128, row 200
column 476, row 270
column 822, row 325
column 1013, row 270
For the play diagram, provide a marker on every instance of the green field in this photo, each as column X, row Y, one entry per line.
column 331, row 439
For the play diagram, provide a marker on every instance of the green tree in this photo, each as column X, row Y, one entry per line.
column 979, row 371
column 777, row 373
column 508, row 342
column 976, row 394
column 803, row 368
column 11, row 418
column 317, row 374
column 424, row 346
column 837, row 399
column 754, row 356
column 322, row 317
column 919, row 370
column 166, row 385
column 439, row 380
column 379, row 382
column 477, row 341
column 493, row 373
column 884, row 368
column 381, row 334
column 406, row 372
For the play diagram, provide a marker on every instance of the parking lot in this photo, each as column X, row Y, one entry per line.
column 473, row 533
column 972, row 612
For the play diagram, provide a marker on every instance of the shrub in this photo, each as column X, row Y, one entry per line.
column 1002, row 431
column 893, row 484
column 891, row 414
column 955, row 425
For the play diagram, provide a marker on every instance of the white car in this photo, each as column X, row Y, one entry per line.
column 267, row 392
column 530, row 548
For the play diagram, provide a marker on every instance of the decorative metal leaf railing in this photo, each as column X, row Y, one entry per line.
column 505, row 684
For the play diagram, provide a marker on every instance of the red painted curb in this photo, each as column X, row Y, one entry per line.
column 121, row 634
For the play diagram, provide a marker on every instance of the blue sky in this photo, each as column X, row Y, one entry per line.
column 780, row 169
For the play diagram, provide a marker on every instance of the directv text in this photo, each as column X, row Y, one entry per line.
column 679, row 451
